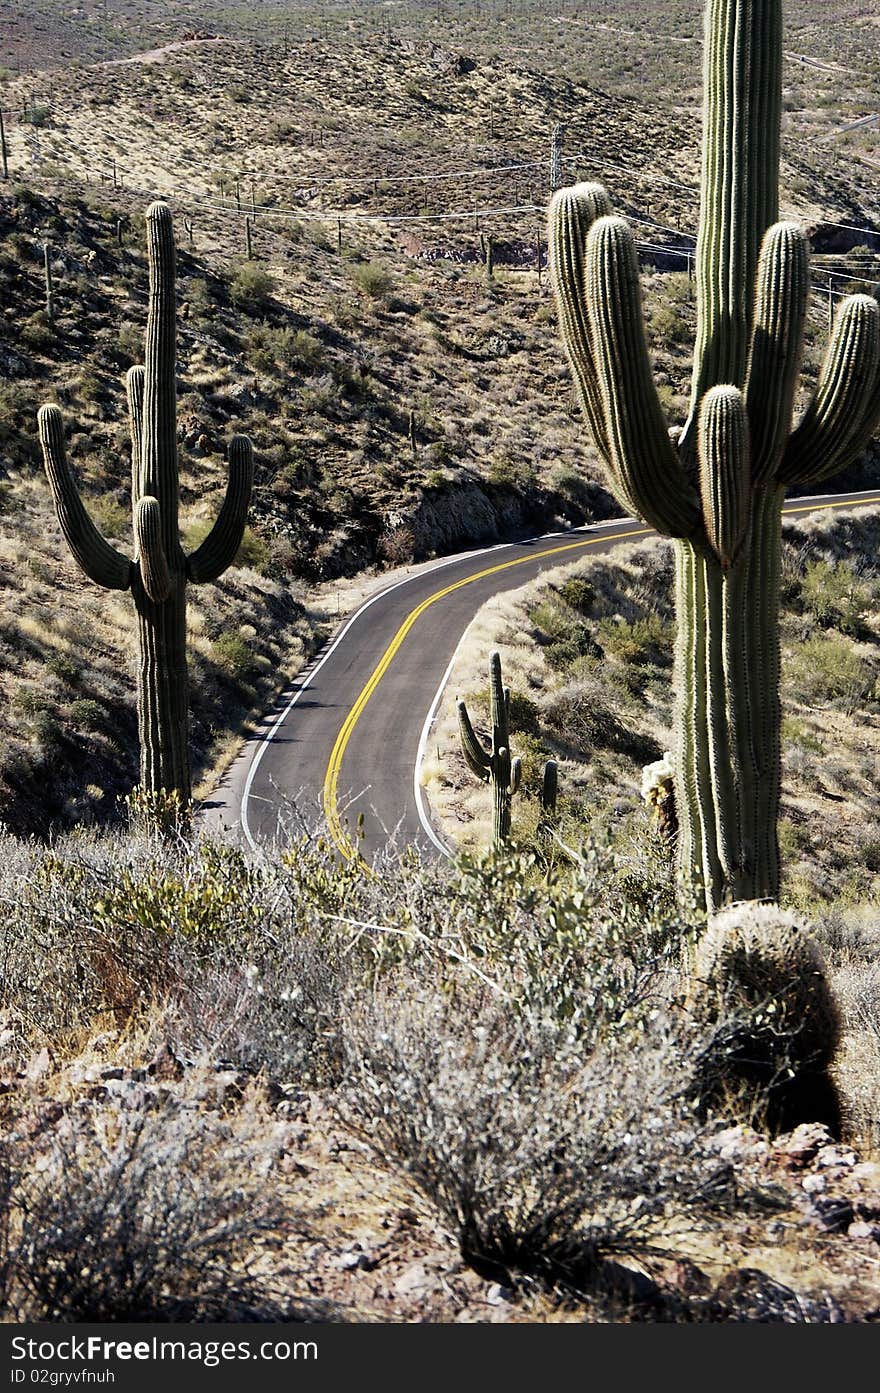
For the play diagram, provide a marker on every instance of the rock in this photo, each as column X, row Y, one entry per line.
column 417, row 1281
column 165, row 1065
column 685, row 1276
column 800, row 1147
column 835, row 1156
column 833, row 1212
column 748, row 1294
column 355, row 1262
column 813, row 1184
column 739, row 1143
column 862, row 1229
column 38, row 1066
column 497, row 1295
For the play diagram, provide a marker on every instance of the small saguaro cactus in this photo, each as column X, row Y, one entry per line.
column 549, row 789
column 717, row 489
column 557, row 136
column 50, row 282
column 493, row 766
column 159, row 573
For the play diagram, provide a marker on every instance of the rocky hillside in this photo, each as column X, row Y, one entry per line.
column 402, row 401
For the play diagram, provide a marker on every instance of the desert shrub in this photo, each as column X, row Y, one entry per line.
column 761, row 990
column 644, row 640
column 160, row 1215
column 544, row 1156
column 668, row 325
column 238, row 950
column 37, row 332
column 234, row 655
column 834, row 595
column 372, row 278
column 112, row 516
column 824, row 669
column 88, row 714
column 38, row 115
column 580, row 718
column 251, row 288
column 578, row 594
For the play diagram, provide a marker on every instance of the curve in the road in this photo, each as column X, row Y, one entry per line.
column 321, row 753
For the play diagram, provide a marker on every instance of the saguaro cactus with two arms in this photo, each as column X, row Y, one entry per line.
column 159, row 572
column 493, row 766
column 719, row 491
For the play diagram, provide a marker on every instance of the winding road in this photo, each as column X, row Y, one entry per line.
column 346, row 739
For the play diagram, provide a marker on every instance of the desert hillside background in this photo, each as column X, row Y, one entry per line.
column 359, row 194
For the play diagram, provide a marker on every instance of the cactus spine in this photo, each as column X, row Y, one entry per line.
column 159, row 572
column 719, row 491
column 495, row 765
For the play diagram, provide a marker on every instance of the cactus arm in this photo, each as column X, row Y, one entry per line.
column 723, row 455
column 843, row 412
column 151, row 556
column 159, row 467
column 499, row 701
column 515, row 774
column 219, row 548
column 643, row 459
column 478, row 761
column 572, row 213
column 100, row 561
column 777, row 337
column 739, row 196
column 134, row 391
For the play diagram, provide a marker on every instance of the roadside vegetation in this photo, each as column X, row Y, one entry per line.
column 273, row 1088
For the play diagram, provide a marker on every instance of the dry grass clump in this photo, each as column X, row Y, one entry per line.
column 160, row 1212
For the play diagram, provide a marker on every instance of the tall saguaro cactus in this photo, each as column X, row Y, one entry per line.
column 159, row 572
column 493, row 766
column 719, row 490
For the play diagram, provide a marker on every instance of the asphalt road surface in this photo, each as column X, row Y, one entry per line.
column 346, row 738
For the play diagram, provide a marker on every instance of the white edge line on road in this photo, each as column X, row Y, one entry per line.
column 422, row 811
column 380, row 595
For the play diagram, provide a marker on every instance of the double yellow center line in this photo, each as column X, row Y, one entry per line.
column 331, row 778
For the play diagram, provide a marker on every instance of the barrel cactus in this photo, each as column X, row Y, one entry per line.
column 159, row 573
column 770, row 1024
column 717, row 488
column 495, row 765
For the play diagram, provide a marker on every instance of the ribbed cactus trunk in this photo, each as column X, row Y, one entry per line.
column 718, row 493
column 727, row 711
column 727, row 594
column 162, row 679
column 159, row 572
